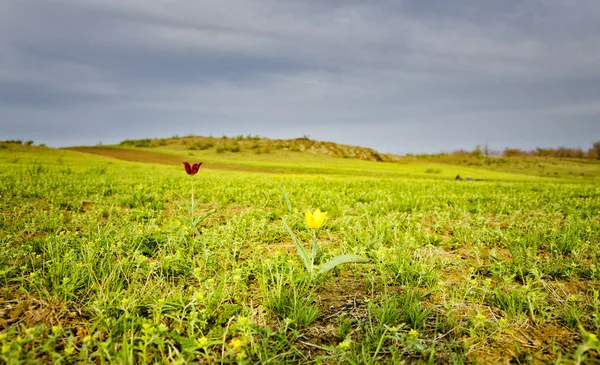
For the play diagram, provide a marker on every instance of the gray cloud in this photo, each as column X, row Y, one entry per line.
column 399, row 76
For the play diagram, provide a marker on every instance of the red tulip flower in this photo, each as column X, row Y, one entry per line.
column 193, row 169
column 192, row 220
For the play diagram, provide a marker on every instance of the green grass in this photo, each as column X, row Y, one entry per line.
column 98, row 265
column 282, row 161
column 568, row 168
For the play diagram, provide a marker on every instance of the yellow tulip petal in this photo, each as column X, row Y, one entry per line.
column 315, row 219
column 308, row 217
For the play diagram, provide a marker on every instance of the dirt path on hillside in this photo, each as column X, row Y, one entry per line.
column 161, row 158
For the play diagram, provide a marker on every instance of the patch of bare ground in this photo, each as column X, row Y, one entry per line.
column 19, row 310
column 131, row 155
column 17, row 307
column 565, row 288
column 343, row 297
column 525, row 344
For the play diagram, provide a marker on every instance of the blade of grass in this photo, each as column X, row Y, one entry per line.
column 286, row 199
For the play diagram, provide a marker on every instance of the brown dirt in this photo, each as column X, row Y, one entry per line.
column 340, row 297
column 126, row 154
column 32, row 311
column 526, row 344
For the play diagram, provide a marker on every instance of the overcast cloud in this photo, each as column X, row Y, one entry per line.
column 399, row 76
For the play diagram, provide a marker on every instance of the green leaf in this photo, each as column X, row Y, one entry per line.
column 301, row 250
column 287, row 200
column 196, row 203
column 179, row 196
column 196, row 231
column 203, row 217
column 342, row 259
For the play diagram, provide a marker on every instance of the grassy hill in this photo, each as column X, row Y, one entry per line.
column 259, row 145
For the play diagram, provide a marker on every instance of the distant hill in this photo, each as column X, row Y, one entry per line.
column 264, row 145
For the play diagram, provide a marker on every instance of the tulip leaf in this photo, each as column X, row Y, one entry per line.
column 342, row 259
column 301, row 250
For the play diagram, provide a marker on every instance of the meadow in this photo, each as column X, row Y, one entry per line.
column 99, row 262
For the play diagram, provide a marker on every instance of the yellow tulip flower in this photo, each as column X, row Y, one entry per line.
column 315, row 219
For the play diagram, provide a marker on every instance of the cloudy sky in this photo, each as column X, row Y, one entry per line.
column 396, row 75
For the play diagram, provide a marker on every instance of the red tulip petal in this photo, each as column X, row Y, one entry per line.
column 188, row 168
column 195, row 168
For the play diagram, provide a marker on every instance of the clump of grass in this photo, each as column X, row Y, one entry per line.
column 199, row 146
column 418, row 269
column 229, row 148
column 289, row 295
column 146, row 142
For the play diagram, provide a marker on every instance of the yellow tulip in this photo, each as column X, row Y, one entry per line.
column 315, row 219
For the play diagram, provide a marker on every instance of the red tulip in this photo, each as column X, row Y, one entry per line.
column 192, row 170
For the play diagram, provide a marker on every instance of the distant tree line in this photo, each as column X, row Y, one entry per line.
column 18, row 141
column 561, row 152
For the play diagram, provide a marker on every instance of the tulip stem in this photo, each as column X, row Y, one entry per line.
column 192, row 210
column 314, row 247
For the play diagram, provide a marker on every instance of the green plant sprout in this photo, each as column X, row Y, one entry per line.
column 192, row 170
column 315, row 220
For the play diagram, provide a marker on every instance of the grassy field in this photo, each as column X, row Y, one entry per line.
column 99, row 262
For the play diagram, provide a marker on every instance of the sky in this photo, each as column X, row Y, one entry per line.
column 400, row 76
